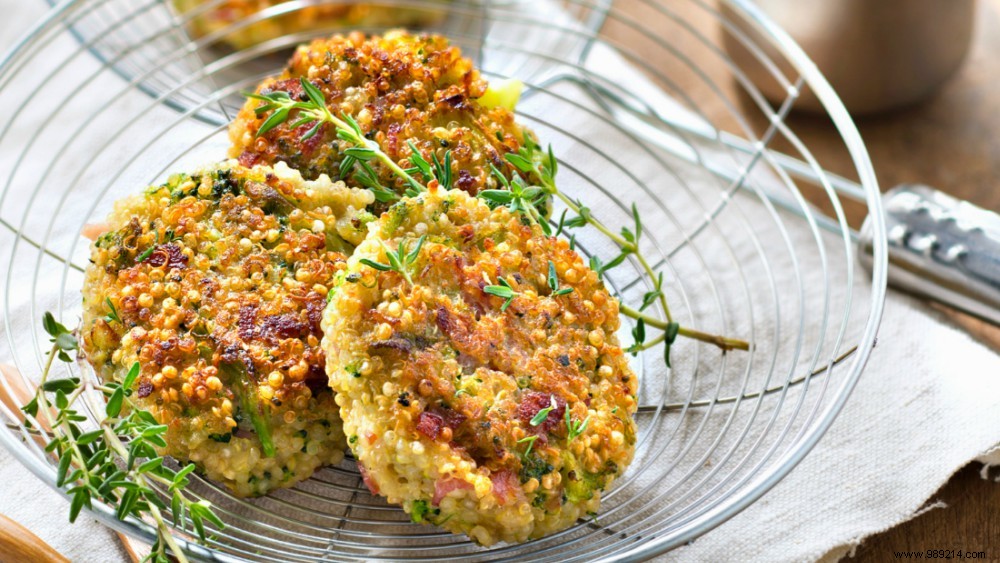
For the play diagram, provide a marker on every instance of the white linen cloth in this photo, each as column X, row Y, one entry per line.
column 927, row 404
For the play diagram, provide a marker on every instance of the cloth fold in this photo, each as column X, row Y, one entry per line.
column 927, row 405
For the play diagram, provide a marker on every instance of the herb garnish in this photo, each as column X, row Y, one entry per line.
column 554, row 282
column 515, row 193
column 112, row 316
column 518, row 197
column 247, row 391
column 400, row 261
column 441, row 171
column 117, row 463
column 504, row 290
column 542, row 166
column 315, row 111
column 542, row 414
column 531, row 442
column 573, row 428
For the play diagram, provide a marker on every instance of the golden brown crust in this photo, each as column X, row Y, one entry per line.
column 215, row 283
column 438, row 367
column 400, row 88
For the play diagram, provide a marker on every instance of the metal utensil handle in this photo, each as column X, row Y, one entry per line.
column 941, row 248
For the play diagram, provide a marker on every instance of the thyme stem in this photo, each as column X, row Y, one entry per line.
column 60, row 428
column 316, row 111
column 651, row 343
column 648, row 319
column 360, row 141
column 652, row 275
column 618, row 239
column 92, row 464
column 722, row 342
column 161, row 525
column 624, row 244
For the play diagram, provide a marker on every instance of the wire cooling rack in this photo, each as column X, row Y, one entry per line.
column 104, row 97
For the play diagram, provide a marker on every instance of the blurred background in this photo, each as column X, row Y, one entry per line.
column 921, row 80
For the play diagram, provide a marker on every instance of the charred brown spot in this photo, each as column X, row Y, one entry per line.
column 456, row 101
column 145, row 389
column 432, row 422
column 454, row 327
column 170, row 255
column 396, row 343
column 314, row 312
column 250, row 158
column 247, row 324
column 270, row 199
column 466, row 182
column 316, row 378
column 467, row 232
column 278, row 327
column 392, row 138
column 430, row 425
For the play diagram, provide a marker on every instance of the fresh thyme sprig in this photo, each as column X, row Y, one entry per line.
column 554, row 282
column 441, row 171
column 514, row 193
column 112, row 316
column 315, row 111
column 531, row 443
column 504, row 291
column 542, row 414
column 573, row 428
column 542, row 166
column 117, row 463
column 400, row 261
column 518, row 197
column 638, row 337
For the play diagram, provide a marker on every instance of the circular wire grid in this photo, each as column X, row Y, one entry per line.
column 106, row 97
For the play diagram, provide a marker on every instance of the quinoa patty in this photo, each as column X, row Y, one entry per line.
column 215, row 283
column 501, row 422
column 401, row 89
column 230, row 15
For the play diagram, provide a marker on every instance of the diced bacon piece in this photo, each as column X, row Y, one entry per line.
column 506, row 487
column 249, row 159
column 446, row 485
column 533, row 401
column 367, row 478
column 430, row 425
column 169, row 254
column 92, row 231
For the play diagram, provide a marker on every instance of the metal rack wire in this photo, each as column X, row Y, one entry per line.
column 114, row 96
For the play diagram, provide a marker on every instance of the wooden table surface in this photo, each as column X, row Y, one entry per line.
column 951, row 142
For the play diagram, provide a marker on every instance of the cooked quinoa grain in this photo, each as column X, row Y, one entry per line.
column 401, row 88
column 505, row 424
column 231, row 19
column 215, row 283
